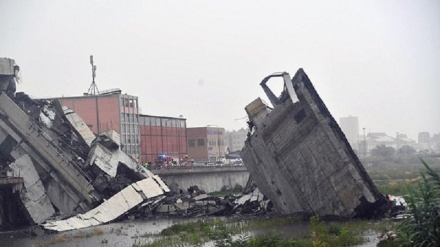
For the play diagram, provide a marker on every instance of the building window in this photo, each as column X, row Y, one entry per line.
column 191, row 142
column 201, row 142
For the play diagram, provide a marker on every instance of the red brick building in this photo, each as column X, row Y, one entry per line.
column 143, row 137
column 104, row 112
column 206, row 144
column 162, row 136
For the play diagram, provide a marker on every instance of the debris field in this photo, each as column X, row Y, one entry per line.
column 58, row 174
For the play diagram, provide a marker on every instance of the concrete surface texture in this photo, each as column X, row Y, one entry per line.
column 300, row 159
column 33, row 193
column 112, row 208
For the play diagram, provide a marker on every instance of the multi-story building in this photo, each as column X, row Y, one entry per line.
column 112, row 111
column 426, row 143
column 206, row 144
column 162, row 136
column 235, row 139
column 375, row 139
column 402, row 140
column 435, row 140
column 424, row 137
column 350, row 127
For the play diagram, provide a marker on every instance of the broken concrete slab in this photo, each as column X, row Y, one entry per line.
column 79, row 125
column 33, row 195
column 108, row 157
column 112, row 208
column 201, row 197
column 300, row 159
column 26, row 136
column 110, row 139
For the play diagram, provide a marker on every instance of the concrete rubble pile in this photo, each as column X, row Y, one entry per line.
column 300, row 159
column 196, row 202
column 58, row 174
column 65, row 170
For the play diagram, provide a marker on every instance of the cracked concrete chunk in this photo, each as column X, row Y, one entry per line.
column 109, row 210
column 79, row 125
column 111, row 139
column 245, row 198
column 201, row 197
column 33, row 195
column 300, row 159
column 109, row 159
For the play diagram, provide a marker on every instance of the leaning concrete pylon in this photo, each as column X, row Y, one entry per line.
column 300, row 159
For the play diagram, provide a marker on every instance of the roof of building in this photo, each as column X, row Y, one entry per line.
column 381, row 137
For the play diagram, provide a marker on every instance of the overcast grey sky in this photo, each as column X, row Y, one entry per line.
column 378, row 60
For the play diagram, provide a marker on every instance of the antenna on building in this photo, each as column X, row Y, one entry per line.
column 93, row 89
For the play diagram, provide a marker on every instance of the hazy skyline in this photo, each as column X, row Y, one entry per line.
column 377, row 60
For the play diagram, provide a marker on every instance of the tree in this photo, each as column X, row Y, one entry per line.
column 406, row 150
column 383, row 151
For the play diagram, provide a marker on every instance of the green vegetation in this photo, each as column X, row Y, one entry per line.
column 394, row 187
column 235, row 234
column 192, row 233
column 383, row 151
column 406, row 151
column 389, row 153
column 332, row 235
column 423, row 227
column 396, row 175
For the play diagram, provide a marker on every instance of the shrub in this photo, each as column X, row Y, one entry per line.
column 422, row 226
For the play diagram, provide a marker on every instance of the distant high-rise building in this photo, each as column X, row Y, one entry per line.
column 424, row 137
column 350, row 127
